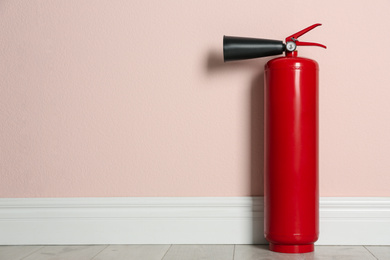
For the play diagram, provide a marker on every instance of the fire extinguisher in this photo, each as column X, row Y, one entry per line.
column 291, row 196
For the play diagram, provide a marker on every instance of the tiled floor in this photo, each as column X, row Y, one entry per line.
column 186, row 252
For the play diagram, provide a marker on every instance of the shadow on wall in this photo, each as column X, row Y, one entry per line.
column 215, row 63
column 256, row 113
column 257, row 154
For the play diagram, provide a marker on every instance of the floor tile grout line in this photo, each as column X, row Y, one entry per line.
column 33, row 252
column 100, row 251
column 371, row 252
column 166, row 251
column 42, row 247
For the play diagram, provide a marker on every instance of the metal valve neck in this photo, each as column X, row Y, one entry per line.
column 291, row 53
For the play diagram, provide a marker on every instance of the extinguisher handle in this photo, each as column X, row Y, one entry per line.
column 294, row 37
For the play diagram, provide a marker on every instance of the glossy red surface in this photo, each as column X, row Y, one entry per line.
column 291, row 154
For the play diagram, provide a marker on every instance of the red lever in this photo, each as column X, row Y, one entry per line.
column 295, row 36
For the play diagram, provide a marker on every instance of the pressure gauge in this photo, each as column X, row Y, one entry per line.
column 291, row 46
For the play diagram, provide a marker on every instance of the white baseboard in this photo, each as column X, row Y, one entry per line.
column 179, row 220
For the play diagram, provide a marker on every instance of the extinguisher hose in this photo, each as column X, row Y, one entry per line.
column 241, row 48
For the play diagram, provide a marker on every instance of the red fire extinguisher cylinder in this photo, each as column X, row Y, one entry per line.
column 291, row 196
column 291, row 154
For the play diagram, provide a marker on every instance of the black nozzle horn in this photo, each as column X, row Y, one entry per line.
column 241, row 48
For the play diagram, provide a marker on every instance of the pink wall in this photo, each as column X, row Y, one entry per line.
column 131, row 98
